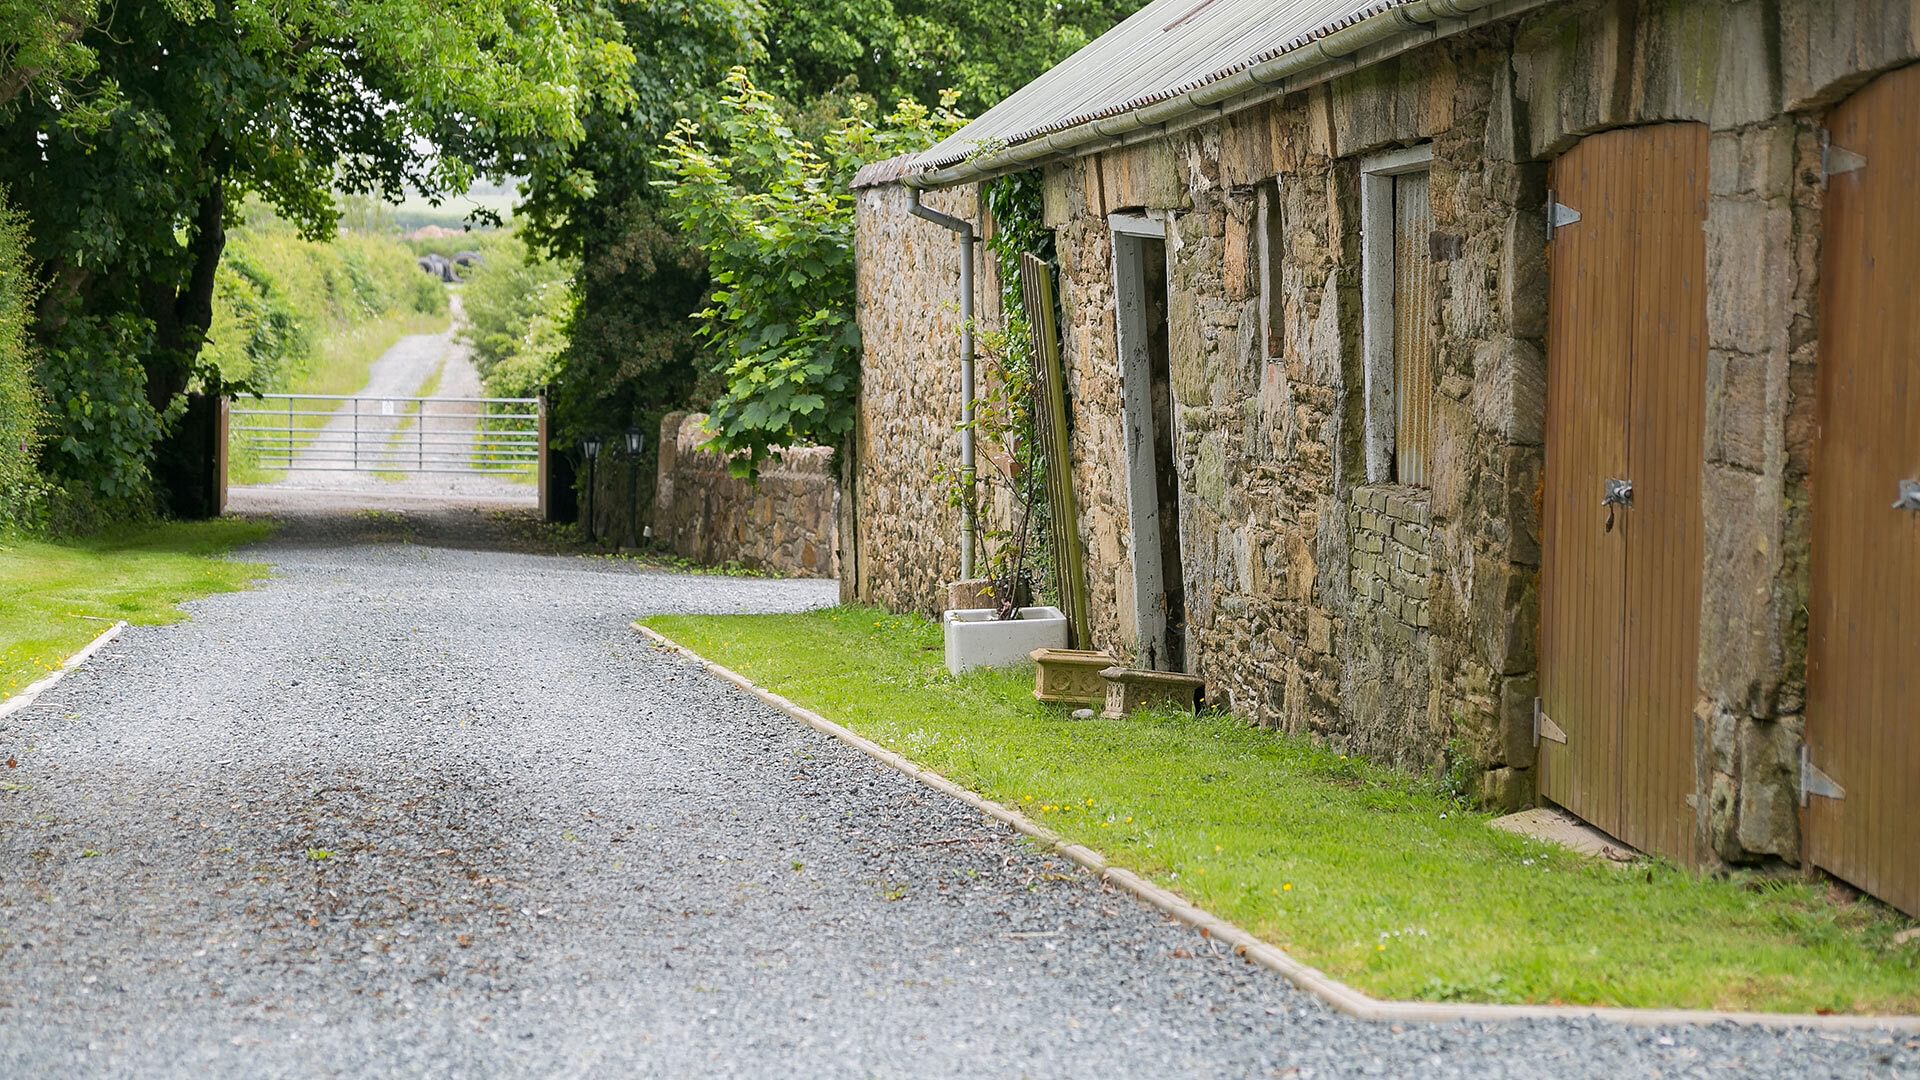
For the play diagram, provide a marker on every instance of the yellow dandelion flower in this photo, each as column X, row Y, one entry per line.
column 1379, row 948
column 1288, row 887
column 1129, row 821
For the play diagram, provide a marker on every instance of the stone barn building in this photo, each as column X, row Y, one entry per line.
column 1525, row 385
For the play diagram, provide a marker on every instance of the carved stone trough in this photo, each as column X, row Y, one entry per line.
column 1070, row 676
column 1129, row 689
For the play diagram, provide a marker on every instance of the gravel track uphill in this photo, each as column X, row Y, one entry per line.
column 424, row 807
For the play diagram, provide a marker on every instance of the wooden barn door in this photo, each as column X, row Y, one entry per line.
column 1626, row 378
column 1863, row 663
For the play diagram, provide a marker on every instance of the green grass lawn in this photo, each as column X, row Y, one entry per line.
column 56, row 597
column 1379, row 878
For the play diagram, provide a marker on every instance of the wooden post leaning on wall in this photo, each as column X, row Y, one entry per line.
column 1050, row 426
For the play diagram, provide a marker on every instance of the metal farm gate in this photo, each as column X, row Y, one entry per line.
column 385, row 434
column 1622, row 545
column 1861, row 769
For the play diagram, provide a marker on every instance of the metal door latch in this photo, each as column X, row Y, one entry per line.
column 1909, row 496
column 1617, row 493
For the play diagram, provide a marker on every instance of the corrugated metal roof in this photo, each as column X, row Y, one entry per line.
column 1165, row 49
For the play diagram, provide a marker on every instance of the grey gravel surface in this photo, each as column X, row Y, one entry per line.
column 554, row 851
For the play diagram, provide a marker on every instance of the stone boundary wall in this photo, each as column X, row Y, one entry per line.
column 785, row 523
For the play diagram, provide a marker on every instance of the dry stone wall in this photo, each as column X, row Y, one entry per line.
column 785, row 522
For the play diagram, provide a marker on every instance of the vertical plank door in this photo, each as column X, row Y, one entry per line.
column 1863, row 663
column 1583, row 567
column 1666, row 430
column 1626, row 372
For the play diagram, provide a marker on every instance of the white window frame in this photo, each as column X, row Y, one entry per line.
column 1266, row 213
column 1376, row 298
column 1136, row 414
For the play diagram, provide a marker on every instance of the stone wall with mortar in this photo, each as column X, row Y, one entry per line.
column 1263, row 231
column 785, row 522
column 899, row 527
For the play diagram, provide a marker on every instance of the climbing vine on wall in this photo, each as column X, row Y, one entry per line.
column 1005, row 413
column 774, row 216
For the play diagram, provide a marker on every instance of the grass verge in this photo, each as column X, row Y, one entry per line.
column 1381, row 879
column 56, row 597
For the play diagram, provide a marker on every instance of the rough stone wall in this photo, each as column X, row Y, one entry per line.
column 1266, row 369
column 784, row 523
column 899, row 531
column 1294, row 619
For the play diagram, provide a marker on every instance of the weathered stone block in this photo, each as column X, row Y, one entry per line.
column 1515, row 720
column 1748, row 291
column 1740, row 410
column 1070, row 676
column 1509, row 394
column 1505, row 789
column 1769, row 806
column 1131, row 689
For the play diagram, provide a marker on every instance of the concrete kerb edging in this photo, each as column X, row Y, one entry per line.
column 27, row 697
column 1336, row 994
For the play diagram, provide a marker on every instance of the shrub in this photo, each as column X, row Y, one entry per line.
column 20, row 404
column 775, row 219
column 278, row 295
column 517, row 306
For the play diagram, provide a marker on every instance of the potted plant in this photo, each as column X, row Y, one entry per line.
column 1002, row 626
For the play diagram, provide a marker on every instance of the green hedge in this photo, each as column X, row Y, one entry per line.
column 279, row 296
column 20, row 405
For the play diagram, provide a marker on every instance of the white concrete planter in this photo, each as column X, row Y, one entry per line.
column 976, row 639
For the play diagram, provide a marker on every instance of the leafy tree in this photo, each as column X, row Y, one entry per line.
column 192, row 105
column 630, row 354
column 517, row 305
column 41, row 47
column 775, row 219
column 916, row 49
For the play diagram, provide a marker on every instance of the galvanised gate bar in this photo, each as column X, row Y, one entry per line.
column 371, row 433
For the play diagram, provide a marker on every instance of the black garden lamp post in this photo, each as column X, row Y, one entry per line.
column 633, row 487
column 590, row 446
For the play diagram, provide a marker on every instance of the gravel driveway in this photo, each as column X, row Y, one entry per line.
column 420, row 809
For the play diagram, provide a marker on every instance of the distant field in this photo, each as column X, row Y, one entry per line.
column 453, row 210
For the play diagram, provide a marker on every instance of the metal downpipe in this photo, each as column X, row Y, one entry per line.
column 964, row 230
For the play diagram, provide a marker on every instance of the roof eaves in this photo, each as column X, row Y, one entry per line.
column 1324, row 46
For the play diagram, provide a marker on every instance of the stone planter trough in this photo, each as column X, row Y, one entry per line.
column 1070, row 676
column 1129, row 689
column 976, row 639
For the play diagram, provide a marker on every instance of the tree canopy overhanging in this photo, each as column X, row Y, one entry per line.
column 133, row 133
